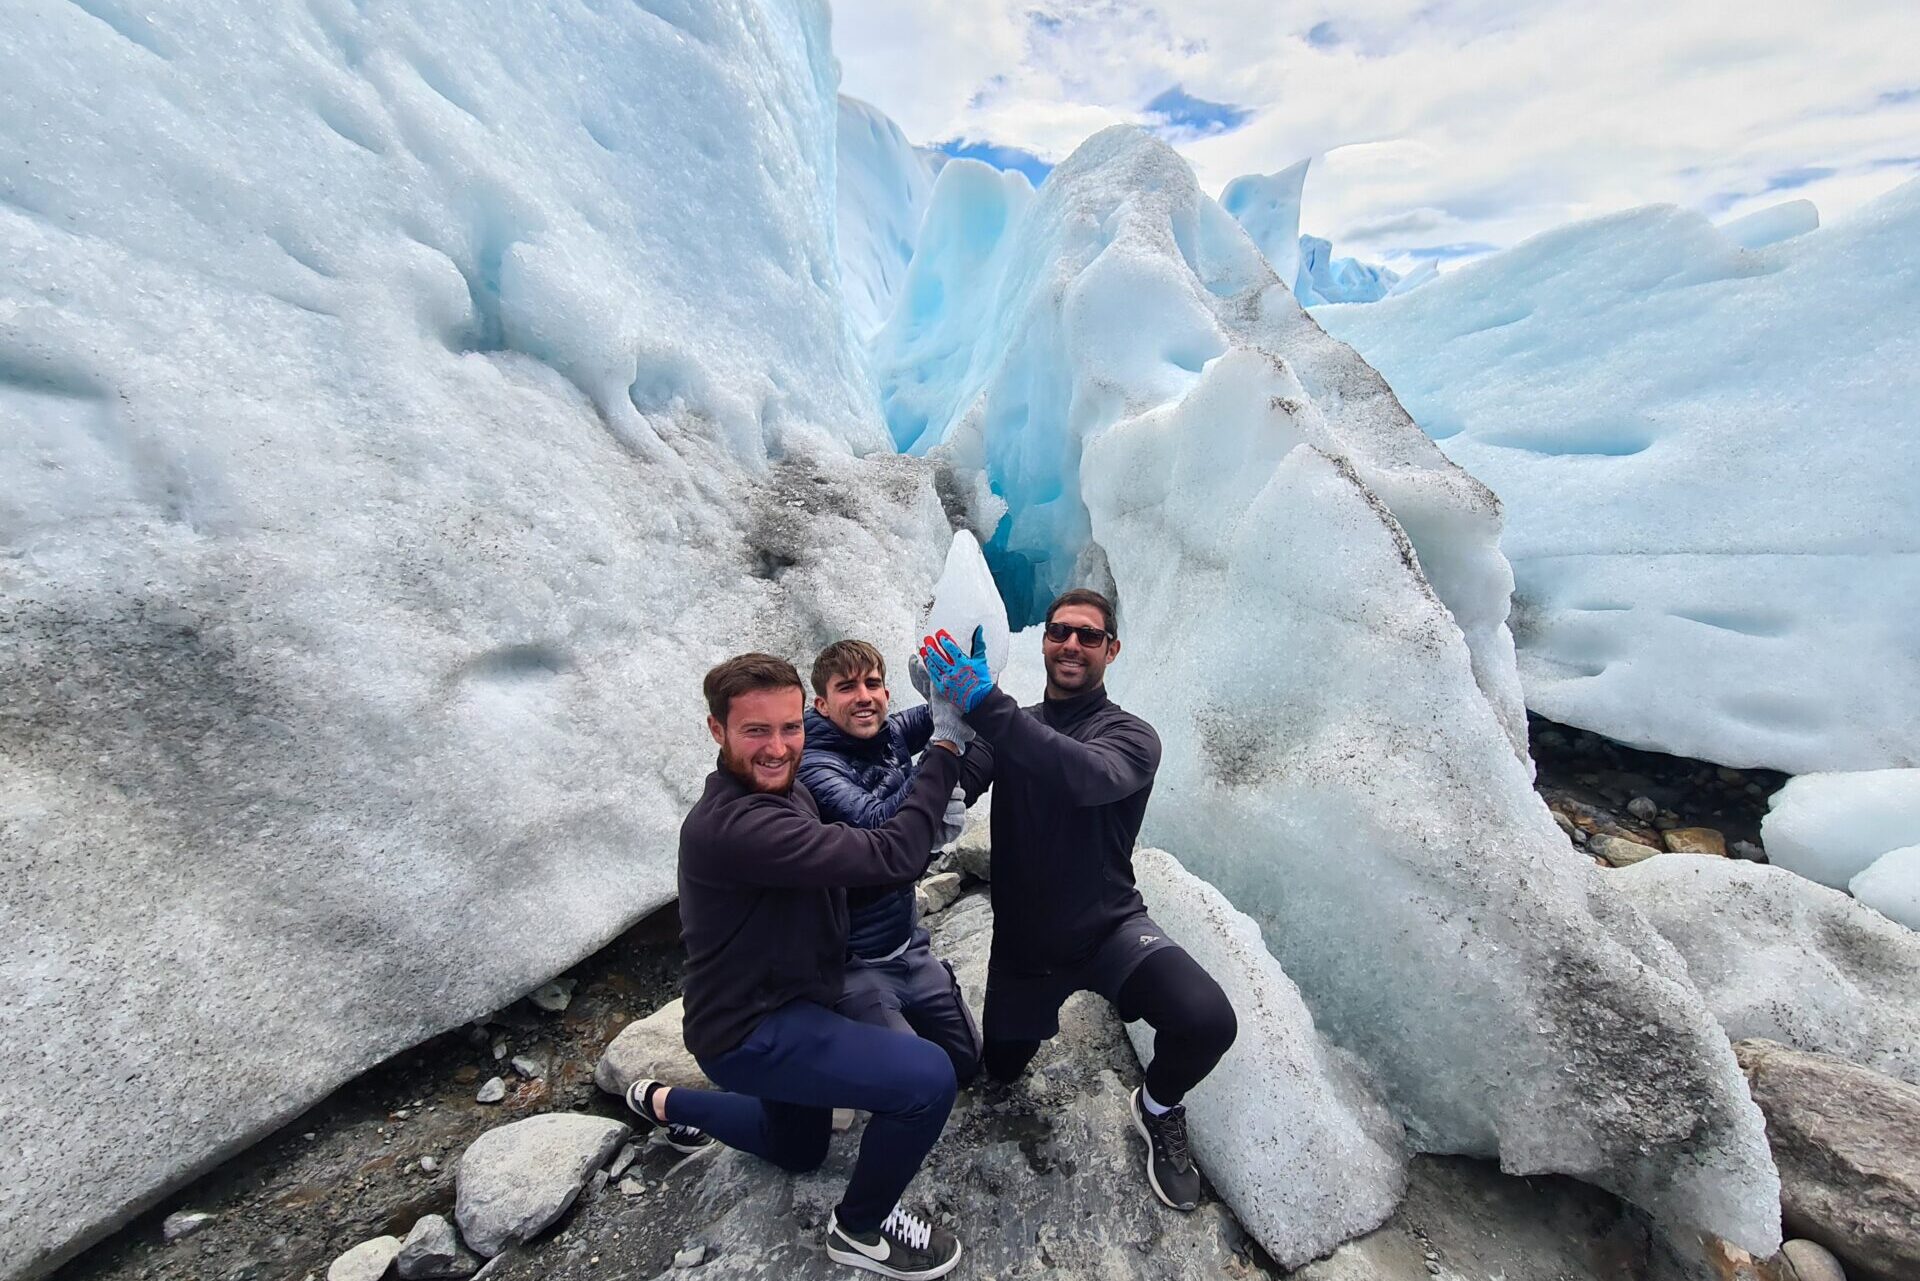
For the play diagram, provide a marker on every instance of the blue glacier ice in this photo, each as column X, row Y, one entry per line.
column 883, row 185
column 1773, row 224
column 401, row 405
column 1708, row 456
column 1120, row 391
column 1267, row 205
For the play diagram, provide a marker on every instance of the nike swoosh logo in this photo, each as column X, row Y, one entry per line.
column 878, row 1253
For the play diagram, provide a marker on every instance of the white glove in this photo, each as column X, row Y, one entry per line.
column 947, row 723
column 953, row 822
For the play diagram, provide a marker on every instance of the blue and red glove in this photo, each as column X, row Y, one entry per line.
column 961, row 679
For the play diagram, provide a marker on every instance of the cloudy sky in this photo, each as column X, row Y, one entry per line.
column 1437, row 128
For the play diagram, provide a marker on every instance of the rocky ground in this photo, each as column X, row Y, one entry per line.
column 1042, row 1178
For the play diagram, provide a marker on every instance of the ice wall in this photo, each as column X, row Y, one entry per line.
column 1708, row 455
column 400, row 406
column 1268, row 206
column 883, row 184
column 1313, row 606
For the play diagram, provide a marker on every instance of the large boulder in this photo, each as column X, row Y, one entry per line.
column 1847, row 1141
column 1285, row 1126
column 401, row 406
column 1781, row 958
column 514, row 1181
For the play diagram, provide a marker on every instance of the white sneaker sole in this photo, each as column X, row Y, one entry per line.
column 855, row 1259
column 1134, row 1108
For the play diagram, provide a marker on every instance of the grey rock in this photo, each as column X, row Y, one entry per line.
column 632, row 1187
column 1566, row 825
column 1642, row 808
column 972, row 854
column 1473, row 1223
column 294, row 613
column 529, row 1067
column 1749, row 851
column 367, row 1261
column 1847, row 1141
column 430, row 1164
column 494, row 1090
column 1285, row 1127
column 553, row 997
column 937, row 893
column 182, row 1224
column 650, row 1047
column 516, row 1180
column 1780, row 957
column 691, row 1257
column 622, row 1160
column 1803, row 1260
column 1619, row 851
column 432, row 1252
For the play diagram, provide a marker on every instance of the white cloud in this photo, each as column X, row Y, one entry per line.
column 1478, row 120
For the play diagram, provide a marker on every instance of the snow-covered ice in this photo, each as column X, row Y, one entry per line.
column 1891, row 886
column 1773, row 224
column 964, row 598
column 1267, row 205
column 883, row 187
column 1285, row 1127
column 1780, row 957
column 1831, row 827
column 1313, row 604
column 400, row 407
column 1708, row 456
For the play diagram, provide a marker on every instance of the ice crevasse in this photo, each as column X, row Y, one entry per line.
column 1313, row 606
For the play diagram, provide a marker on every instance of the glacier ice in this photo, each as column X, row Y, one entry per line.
column 1779, row 957
column 1831, row 827
column 1773, row 224
column 1324, row 278
column 1344, row 749
column 400, row 407
column 1285, row 1127
column 883, row 185
column 1267, row 205
column 1708, row 458
column 1891, row 887
column 964, row 597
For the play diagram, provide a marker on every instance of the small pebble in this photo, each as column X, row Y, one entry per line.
column 691, row 1257
column 531, row 1068
column 499, row 1050
column 429, row 1164
column 632, row 1187
column 1433, row 1267
column 622, row 1160
column 180, row 1226
column 492, row 1092
column 1642, row 807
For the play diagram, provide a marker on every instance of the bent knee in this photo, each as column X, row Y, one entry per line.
column 926, row 1079
column 804, row 1157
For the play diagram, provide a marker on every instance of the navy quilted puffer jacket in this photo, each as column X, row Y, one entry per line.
column 862, row 781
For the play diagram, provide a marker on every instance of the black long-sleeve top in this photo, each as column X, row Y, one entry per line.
column 1070, row 779
column 763, row 904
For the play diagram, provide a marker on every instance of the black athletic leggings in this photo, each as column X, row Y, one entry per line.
column 1192, row 1020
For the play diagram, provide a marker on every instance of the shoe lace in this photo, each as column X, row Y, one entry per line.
column 1172, row 1129
column 905, row 1226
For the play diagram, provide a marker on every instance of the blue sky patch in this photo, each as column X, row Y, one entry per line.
column 1178, row 115
column 1323, row 35
column 1790, row 179
column 999, row 157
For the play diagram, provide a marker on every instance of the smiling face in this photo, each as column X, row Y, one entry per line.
column 856, row 702
column 763, row 737
column 1074, row 668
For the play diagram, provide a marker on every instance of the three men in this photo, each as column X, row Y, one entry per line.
column 859, row 767
column 1071, row 777
column 774, row 971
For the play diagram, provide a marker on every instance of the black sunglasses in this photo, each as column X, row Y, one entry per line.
column 1091, row 637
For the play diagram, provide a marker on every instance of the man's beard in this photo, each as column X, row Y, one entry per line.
column 741, row 767
column 1078, row 680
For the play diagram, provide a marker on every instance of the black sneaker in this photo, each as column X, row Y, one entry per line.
column 681, row 1138
column 905, row 1245
column 1170, row 1167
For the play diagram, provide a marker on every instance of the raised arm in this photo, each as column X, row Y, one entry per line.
column 1116, row 765
column 766, row 841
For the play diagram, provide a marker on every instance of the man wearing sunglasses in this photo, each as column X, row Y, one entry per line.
column 1071, row 777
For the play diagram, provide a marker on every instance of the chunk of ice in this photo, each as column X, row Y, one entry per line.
column 1831, row 827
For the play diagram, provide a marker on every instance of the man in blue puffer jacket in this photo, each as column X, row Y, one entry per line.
column 859, row 767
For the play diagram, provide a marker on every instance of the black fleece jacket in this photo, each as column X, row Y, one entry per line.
column 763, row 904
column 1070, row 779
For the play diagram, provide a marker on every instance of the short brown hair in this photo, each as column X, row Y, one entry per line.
column 743, row 674
column 846, row 658
column 1085, row 596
